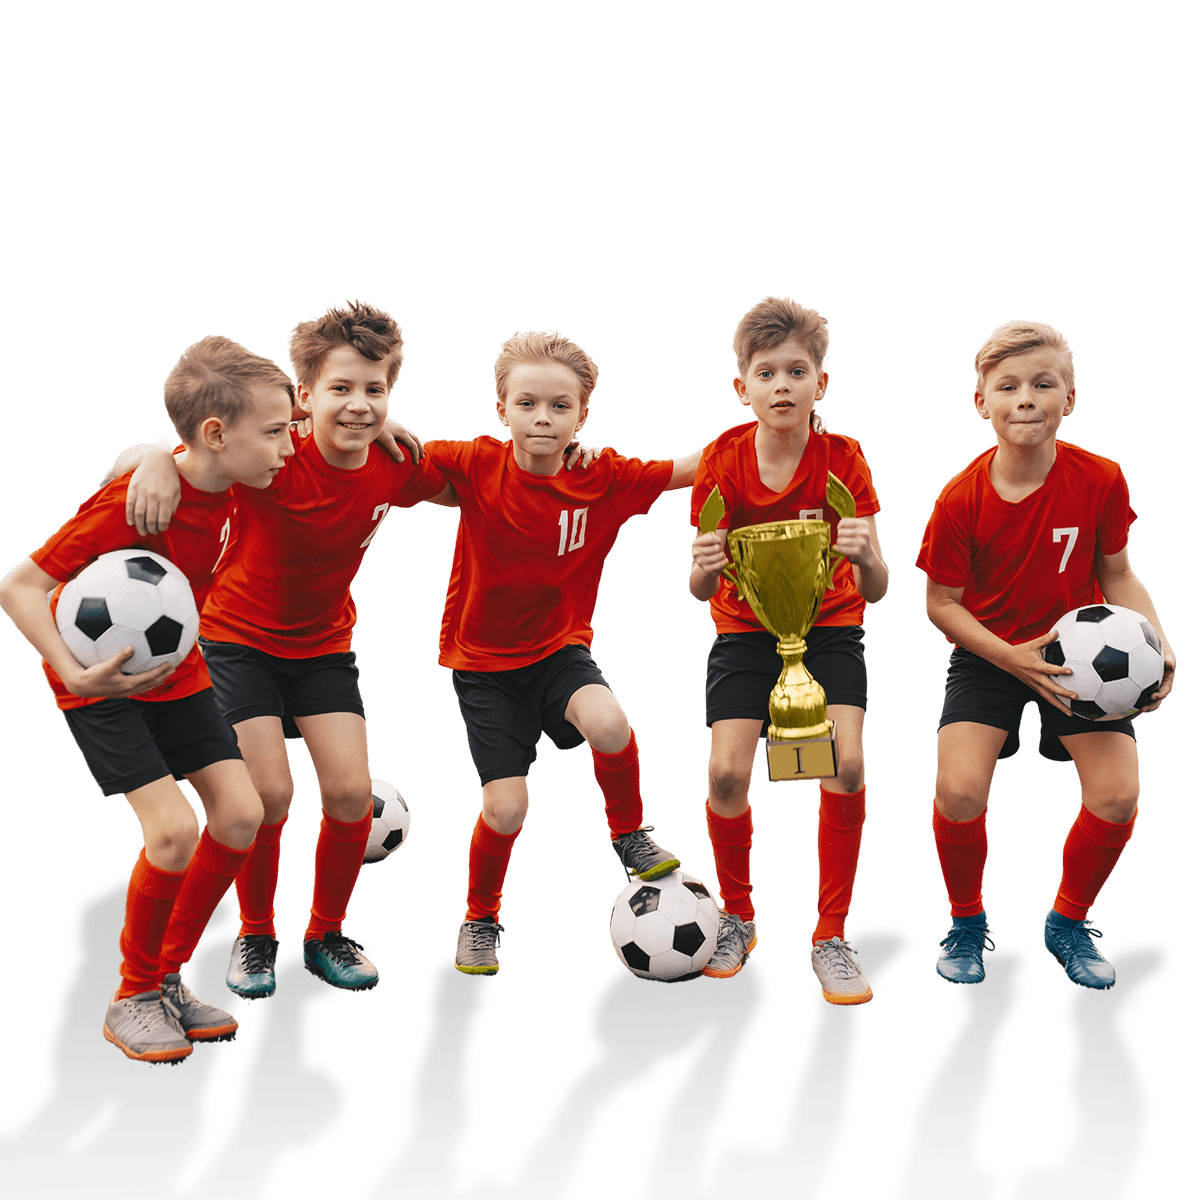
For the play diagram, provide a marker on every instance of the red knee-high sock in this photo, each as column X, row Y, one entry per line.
column 340, row 849
column 148, row 903
column 839, row 834
column 1089, row 855
column 619, row 777
column 256, row 882
column 488, row 865
column 209, row 874
column 730, row 837
column 962, row 849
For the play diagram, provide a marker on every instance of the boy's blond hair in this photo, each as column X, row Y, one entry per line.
column 370, row 331
column 213, row 378
column 1019, row 337
column 545, row 347
column 775, row 320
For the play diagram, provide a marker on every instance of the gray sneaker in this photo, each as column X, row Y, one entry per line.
column 836, row 966
column 143, row 1027
column 201, row 1022
column 640, row 855
column 477, row 942
column 735, row 939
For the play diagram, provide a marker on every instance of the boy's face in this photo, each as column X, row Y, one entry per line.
column 782, row 386
column 349, row 404
column 1026, row 397
column 543, row 406
column 257, row 447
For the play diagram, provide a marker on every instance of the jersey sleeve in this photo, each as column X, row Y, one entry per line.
column 98, row 527
column 636, row 484
column 708, row 476
column 452, row 460
column 946, row 547
column 1112, row 534
column 856, row 475
column 416, row 481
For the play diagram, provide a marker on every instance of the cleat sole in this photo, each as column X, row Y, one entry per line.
column 476, row 970
column 731, row 973
column 151, row 1056
column 659, row 870
column 857, row 998
column 219, row 1033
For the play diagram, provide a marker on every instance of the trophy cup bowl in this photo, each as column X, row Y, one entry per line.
column 782, row 570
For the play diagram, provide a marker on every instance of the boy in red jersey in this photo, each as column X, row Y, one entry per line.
column 231, row 409
column 777, row 468
column 1030, row 530
column 276, row 632
column 531, row 545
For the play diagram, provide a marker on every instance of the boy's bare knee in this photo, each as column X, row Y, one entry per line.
column 347, row 801
column 728, row 782
column 1116, row 807
column 850, row 772
column 170, row 844
column 276, row 800
column 958, row 801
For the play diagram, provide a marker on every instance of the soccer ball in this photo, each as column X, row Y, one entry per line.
column 667, row 929
column 128, row 598
column 389, row 829
column 1115, row 657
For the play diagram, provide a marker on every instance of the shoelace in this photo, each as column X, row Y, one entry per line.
column 838, row 961
column 729, row 934
column 634, row 848
column 342, row 948
column 1071, row 939
column 965, row 941
column 256, row 955
column 483, row 934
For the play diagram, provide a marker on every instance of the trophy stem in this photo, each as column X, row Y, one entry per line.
column 797, row 704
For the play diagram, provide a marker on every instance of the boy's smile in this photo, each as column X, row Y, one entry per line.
column 542, row 406
column 1025, row 397
column 349, row 403
column 782, row 386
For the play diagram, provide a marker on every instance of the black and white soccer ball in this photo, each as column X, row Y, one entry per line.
column 128, row 598
column 666, row 929
column 389, row 829
column 1115, row 657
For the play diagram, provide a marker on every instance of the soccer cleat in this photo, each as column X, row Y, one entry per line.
column 836, row 966
column 961, row 959
column 252, row 966
column 477, row 942
column 1071, row 943
column 735, row 939
column 201, row 1022
column 145, row 1028
column 641, row 856
column 339, row 961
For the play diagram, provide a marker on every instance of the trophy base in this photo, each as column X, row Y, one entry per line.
column 802, row 758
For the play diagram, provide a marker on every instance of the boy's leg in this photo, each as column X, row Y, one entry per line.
column 337, row 742
column 730, row 829
column 594, row 711
column 1108, row 773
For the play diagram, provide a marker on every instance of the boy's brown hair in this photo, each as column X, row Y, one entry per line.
column 546, row 347
column 213, row 378
column 771, row 322
column 370, row 331
column 1019, row 337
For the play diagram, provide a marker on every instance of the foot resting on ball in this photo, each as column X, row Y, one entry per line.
column 641, row 856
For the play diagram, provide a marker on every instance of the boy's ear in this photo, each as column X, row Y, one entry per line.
column 303, row 399
column 740, row 388
column 501, row 413
column 582, row 417
column 1070, row 403
column 981, row 406
column 211, row 434
column 822, row 384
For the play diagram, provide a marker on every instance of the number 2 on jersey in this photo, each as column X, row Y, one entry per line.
column 577, row 528
column 1071, row 533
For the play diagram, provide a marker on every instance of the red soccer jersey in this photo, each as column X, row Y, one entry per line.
column 285, row 588
column 195, row 542
column 1023, row 565
column 530, row 550
column 731, row 464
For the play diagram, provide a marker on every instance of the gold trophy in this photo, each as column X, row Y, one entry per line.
column 782, row 570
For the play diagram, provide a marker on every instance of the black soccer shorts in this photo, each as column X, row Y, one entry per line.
column 744, row 667
column 251, row 683
column 129, row 743
column 979, row 691
column 506, row 712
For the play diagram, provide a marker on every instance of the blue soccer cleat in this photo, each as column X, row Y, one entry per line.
column 961, row 959
column 1071, row 943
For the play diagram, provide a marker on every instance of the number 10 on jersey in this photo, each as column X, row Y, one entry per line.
column 572, row 525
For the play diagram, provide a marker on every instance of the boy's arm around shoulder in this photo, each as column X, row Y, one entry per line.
column 23, row 596
column 683, row 471
column 1121, row 586
column 944, row 606
column 153, row 493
